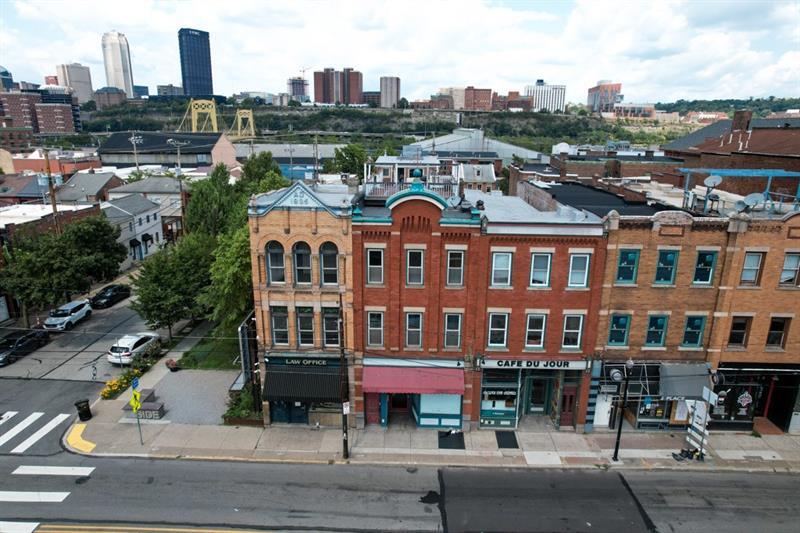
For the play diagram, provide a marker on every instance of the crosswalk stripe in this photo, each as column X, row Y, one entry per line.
column 18, row 527
column 5, row 417
column 32, row 497
column 44, row 430
column 19, row 428
column 54, row 470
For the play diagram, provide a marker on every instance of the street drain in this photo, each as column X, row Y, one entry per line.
column 431, row 498
column 81, row 480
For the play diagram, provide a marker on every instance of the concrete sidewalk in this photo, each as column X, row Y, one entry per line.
column 108, row 436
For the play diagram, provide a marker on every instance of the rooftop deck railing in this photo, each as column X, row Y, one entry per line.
column 381, row 189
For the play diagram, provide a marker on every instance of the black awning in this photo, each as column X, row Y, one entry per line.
column 684, row 381
column 134, row 243
column 303, row 384
column 146, row 237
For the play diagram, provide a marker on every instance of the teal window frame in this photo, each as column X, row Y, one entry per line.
column 711, row 268
column 626, row 322
column 650, row 328
column 674, row 267
column 635, row 266
column 701, row 331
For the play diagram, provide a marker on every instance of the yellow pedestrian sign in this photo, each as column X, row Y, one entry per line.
column 136, row 401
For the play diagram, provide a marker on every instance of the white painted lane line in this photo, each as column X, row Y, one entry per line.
column 19, row 428
column 54, row 470
column 32, row 497
column 18, row 527
column 44, row 430
column 5, row 417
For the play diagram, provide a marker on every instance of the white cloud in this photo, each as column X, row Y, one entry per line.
column 660, row 51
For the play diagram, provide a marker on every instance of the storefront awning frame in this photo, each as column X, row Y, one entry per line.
column 413, row 380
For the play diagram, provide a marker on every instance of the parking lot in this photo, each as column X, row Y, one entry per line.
column 79, row 354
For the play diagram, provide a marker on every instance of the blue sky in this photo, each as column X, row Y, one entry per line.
column 660, row 50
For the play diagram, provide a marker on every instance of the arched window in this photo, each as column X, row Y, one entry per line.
column 329, row 263
column 302, row 262
column 275, row 264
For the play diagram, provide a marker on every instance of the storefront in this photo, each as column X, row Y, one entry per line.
column 303, row 389
column 748, row 391
column 512, row 388
column 657, row 394
column 427, row 392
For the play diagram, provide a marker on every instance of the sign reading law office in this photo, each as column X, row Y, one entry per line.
column 553, row 364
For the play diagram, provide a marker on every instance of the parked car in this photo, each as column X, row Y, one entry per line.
column 20, row 344
column 125, row 349
column 110, row 295
column 66, row 316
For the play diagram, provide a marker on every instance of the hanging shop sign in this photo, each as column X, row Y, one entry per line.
column 554, row 364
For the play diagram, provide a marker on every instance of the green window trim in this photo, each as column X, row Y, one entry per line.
column 619, row 324
column 628, row 263
column 663, row 264
column 698, row 326
column 653, row 327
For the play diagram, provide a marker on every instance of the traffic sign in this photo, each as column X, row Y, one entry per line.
column 135, row 383
column 136, row 401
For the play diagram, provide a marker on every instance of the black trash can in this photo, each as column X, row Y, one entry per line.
column 84, row 412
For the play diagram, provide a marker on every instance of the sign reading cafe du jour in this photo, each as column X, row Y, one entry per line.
column 536, row 365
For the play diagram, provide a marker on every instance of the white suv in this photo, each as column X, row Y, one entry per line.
column 66, row 316
column 125, row 349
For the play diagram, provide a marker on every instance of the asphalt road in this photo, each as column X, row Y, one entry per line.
column 283, row 497
column 72, row 354
column 36, row 413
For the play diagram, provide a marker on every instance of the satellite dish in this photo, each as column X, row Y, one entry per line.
column 740, row 206
column 712, row 181
column 453, row 201
column 752, row 200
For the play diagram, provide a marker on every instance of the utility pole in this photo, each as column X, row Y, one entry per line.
column 178, row 144
column 52, row 189
column 135, row 139
column 316, row 159
column 343, row 381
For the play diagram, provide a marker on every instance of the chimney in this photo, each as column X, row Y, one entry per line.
column 741, row 120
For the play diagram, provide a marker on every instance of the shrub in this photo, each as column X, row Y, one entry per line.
column 241, row 405
column 115, row 386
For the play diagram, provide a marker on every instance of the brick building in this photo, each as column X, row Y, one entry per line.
column 54, row 118
column 302, row 280
column 474, row 315
column 20, row 107
column 14, row 139
column 477, row 99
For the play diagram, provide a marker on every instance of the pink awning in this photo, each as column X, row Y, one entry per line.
column 413, row 380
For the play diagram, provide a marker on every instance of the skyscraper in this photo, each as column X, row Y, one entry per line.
column 603, row 96
column 117, row 59
column 195, row 62
column 390, row 91
column 78, row 78
column 338, row 87
column 546, row 96
column 297, row 88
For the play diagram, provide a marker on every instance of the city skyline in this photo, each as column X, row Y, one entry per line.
column 710, row 50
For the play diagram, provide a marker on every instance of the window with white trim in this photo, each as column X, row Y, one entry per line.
column 534, row 336
column 501, row 269
column 790, row 273
column 751, row 270
column 413, row 330
column 704, row 268
column 415, row 260
column 301, row 254
column 498, row 329
column 330, row 326
column 578, row 270
column 276, row 272
column 540, row 269
column 455, row 268
column 452, row 330
column 374, row 328
column 329, row 264
column 305, row 326
column 374, row 266
column 279, row 319
column 573, row 331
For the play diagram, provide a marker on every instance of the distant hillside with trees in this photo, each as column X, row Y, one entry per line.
column 761, row 107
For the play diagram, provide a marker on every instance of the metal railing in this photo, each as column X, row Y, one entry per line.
column 380, row 189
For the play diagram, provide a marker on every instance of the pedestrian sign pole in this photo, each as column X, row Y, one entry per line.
column 136, row 403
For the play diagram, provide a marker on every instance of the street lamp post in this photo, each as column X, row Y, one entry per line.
column 617, row 376
column 178, row 144
column 135, row 139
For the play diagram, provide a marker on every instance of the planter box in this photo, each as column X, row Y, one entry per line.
column 238, row 421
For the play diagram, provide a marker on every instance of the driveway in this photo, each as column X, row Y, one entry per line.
column 80, row 354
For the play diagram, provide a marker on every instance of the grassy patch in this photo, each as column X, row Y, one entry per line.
column 218, row 350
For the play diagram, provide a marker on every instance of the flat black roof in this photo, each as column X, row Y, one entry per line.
column 600, row 202
column 462, row 154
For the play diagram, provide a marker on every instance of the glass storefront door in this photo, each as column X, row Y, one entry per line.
column 539, row 395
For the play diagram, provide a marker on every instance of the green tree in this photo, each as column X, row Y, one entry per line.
column 257, row 166
column 229, row 296
column 350, row 159
column 94, row 240
column 294, row 103
column 193, row 257
column 160, row 300
column 403, row 104
column 91, row 105
column 209, row 208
